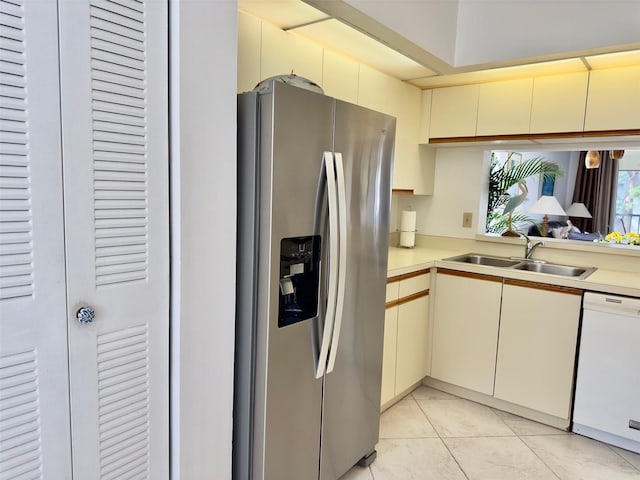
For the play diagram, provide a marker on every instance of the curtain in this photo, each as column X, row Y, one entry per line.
column 596, row 188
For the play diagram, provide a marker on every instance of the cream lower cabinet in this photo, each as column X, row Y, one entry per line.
column 413, row 336
column 512, row 340
column 465, row 330
column 537, row 348
column 406, row 333
column 388, row 390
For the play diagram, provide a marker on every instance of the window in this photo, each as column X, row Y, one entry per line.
column 627, row 211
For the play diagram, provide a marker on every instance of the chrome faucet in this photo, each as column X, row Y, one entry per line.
column 528, row 247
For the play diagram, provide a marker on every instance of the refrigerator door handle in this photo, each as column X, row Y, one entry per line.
column 332, row 195
column 342, row 259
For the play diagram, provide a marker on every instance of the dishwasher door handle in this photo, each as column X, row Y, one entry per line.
column 635, row 424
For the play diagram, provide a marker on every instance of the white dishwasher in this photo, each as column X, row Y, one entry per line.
column 607, row 398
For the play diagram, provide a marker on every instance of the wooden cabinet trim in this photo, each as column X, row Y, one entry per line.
column 402, row 191
column 536, row 136
column 408, row 298
column 478, row 276
column 543, row 286
column 408, row 275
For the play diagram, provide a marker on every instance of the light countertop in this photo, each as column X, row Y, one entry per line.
column 406, row 260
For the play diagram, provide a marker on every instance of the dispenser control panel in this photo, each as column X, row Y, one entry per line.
column 299, row 279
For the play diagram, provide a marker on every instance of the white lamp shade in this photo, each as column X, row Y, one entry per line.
column 578, row 210
column 547, row 205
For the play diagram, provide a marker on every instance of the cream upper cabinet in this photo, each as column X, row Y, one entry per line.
column 411, row 169
column 536, row 353
column 340, row 77
column 265, row 51
column 425, row 116
column 249, row 41
column 284, row 52
column 559, row 103
column 465, row 329
column 454, row 111
column 504, row 107
column 613, row 102
column 377, row 91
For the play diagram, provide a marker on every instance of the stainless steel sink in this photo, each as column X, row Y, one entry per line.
column 488, row 260
column 528, row 265
column 552, row 269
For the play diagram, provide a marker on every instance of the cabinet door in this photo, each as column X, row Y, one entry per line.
column 413, row 336
column 282, row 53
column 536, row 354
column 340, row 77
column 425, row 116
column 402, row 101
column 34, row 398
column 559, row 103
column 505, row 107
column 389, row 355
column 613, row 102
column 249, row 42
column 465, row 330
column 114, row 123
column 454, row 111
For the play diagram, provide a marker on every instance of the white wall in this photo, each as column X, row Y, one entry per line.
column 430, row 24
column 490, row 31
column 203, row 171
column 460, row 183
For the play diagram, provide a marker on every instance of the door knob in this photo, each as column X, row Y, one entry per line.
column 85, row 315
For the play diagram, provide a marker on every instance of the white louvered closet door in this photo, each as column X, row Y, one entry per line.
column 114, row 83
column 34, row 402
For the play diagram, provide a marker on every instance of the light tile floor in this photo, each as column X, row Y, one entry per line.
column 431, row 435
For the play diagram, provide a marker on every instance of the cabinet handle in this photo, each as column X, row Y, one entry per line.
column 635, row 424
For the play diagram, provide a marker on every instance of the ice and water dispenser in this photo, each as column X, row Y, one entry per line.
column 299, row 279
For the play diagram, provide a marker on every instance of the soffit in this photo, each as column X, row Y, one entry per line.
column 419, row 68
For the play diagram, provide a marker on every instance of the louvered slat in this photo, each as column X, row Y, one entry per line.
column 118, row 77
column 16, row 239
column 123, row 398
column 20, row 438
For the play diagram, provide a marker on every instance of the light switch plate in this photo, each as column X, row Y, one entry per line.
column 467, row 219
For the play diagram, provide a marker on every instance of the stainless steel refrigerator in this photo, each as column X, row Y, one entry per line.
column 314, row 182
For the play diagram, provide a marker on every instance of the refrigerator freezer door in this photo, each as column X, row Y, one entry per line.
column 351, row 397
column 296, row 128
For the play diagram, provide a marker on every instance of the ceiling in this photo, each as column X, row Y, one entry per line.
column 433, row 43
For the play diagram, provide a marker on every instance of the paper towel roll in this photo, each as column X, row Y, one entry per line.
column 408, row 229
column 408, row 239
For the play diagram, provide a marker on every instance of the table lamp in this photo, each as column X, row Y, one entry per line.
column 578, row 210
column 547, row 205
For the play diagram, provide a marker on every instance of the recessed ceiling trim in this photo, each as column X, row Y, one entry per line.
column 518, row 62
column 302, row 25
column 349, row 15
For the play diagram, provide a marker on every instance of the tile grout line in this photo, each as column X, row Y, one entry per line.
column 527, row 446
column 556, row 474
column 520, row 437
column 440, row 438
column 515, row 434
column 553, row 472
column 611, row 447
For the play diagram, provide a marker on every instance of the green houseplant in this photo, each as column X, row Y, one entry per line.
column 501, row 214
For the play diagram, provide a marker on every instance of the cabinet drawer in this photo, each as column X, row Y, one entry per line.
column 392, row 291
column 413, row 285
